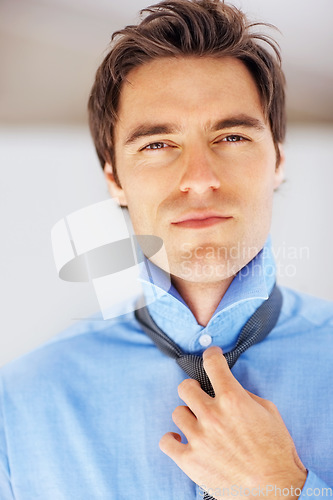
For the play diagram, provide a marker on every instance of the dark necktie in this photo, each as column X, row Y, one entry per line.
column 255, row 329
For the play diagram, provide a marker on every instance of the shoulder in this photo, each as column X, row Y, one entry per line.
column 79, row 346
column 307, row 309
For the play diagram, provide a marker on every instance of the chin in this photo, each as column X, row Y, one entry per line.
column 205, row 271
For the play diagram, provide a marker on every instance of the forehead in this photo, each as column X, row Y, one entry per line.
column 188, row 88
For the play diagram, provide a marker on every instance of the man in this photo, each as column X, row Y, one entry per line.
column 187, row 115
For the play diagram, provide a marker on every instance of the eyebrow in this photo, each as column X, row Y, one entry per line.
column 238, row 121
column 147, row 129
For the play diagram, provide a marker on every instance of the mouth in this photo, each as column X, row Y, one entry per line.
column 200, row 220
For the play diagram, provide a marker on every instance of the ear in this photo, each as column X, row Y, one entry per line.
column 115, row 190
column 279, row 168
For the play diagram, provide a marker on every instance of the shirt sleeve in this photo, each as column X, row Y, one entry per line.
column 6, row 492
column 314, row 488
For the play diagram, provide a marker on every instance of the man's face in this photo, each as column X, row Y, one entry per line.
column 196, row 163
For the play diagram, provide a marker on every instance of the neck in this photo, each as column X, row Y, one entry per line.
column 202, row 298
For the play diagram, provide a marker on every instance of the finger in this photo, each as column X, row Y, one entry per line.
column 219, row 372
column 177, row 436
column 185, row 420
column 257, row 399
column 191, row 393
column 267, row 405
column 172, row 446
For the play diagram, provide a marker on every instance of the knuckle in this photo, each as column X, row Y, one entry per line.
column 176, row 412
column 213, row 416
column 215, row 358
column 187, row 385
column 271, row 406
column 231, row 404
column 179, row 414
column 163, row 442
column 229, row 400
column 210, row 361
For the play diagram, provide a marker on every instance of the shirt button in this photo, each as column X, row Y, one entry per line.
column 205, row 340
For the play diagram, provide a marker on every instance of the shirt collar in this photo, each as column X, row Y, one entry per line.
column 248, row 290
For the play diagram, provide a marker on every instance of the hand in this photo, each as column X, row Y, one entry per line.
column 236, row 438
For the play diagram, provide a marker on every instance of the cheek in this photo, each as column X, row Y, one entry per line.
column 256, row 193
column 142, row 208
column 139, row 213
column 261, row 177
column 146, row 189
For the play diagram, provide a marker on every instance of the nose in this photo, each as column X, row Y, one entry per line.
column 198, row 173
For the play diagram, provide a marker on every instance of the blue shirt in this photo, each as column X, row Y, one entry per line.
column 81, row 416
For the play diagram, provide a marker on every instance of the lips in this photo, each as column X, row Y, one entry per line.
column 200, row 219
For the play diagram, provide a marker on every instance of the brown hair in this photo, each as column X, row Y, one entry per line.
column 186, row 28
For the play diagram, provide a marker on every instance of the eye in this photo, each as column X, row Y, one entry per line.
column 233, row 138
column 155, row 145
